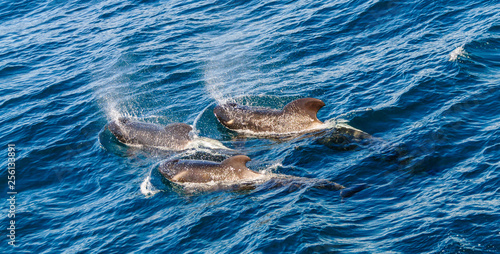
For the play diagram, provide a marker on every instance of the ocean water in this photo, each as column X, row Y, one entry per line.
column 422, row 77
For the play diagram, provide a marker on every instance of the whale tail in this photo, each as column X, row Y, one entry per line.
column 350, row 191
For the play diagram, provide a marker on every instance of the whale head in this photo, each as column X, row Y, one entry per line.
column 118, row 128
column 225, row 113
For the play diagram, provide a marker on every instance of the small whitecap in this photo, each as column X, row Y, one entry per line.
column 270, row 169
column 456, row 53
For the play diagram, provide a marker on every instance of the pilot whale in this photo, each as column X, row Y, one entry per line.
column 196, row 171
column 174, row 136
column 297, row 116
column 234, row 170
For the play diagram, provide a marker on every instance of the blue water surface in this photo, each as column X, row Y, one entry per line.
column 423, row 77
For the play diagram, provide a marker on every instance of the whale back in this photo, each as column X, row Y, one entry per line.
column 305, row 106
column 178, row 129
column 173, row 136
column 193, row 171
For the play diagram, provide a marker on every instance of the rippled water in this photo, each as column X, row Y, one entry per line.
column 421, row 76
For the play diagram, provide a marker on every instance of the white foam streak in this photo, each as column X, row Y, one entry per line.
column 269, row 170
column 111, row 111
column 201, row 142
column 147, row 188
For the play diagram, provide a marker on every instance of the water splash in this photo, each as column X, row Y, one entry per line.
column 214, row 84
column 272, row 168
column 112, row 111
column 456, row 53
column 195, row 130
column 229, row 70
column 202, row 142
column 147, row 188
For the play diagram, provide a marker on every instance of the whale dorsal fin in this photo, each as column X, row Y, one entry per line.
column 237, row 162
column 178, row 129
column 305, row 106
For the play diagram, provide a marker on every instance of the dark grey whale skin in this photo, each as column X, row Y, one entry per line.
column 296, row 116
column 234, row 169
column 197, row 171
column 174, row 136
